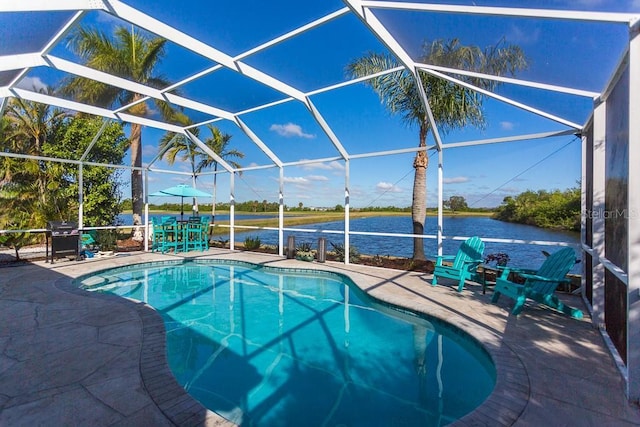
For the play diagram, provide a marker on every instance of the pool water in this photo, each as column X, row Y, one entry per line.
column 277, row 347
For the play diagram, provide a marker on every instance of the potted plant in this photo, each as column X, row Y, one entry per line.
column 304, row 252
column 500, row 258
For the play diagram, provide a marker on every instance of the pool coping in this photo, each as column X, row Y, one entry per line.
column 504, row 405
column 169, row 396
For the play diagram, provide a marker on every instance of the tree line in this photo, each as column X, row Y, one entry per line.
column 547, row 209
column 34, row 191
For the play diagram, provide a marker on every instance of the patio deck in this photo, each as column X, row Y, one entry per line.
column 69, row 357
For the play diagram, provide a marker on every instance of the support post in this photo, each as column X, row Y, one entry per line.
column 346, row 211
column 281, row 213
column 597, row 224
column 440, row 193
column 232, row 210
column 633, row 241
column 80, row 198
column 148, row 233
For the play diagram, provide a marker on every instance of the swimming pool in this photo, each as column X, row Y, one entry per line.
column 276, row 347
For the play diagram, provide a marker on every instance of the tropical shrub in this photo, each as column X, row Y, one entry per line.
column 107, row 240
column 338, row 249
column 252, row 243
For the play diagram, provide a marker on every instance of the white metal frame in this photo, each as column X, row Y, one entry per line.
column 365, row 11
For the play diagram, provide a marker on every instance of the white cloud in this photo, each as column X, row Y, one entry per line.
column 455, row 180
column 518, row 35
column 506, row 125
column 183, row 166
column 290, row 130
column 510, row 190
column 295, row 179
column 334, row 165
column 29, row 83
column 149, row 150
column 317, row 178
column 386, row 187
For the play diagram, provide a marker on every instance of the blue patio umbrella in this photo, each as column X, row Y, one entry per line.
column 181, row 191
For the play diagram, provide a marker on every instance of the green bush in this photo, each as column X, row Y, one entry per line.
column 547, row 209
column 107, row 239
column 252, row 243
column 338, row 249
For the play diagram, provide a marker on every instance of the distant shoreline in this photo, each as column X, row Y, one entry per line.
column 353, row 213
column 295, row 218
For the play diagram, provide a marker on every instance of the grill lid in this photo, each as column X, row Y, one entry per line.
column 62, row 227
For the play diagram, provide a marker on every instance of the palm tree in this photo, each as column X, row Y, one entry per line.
column 28, row 127
column 130, row 55
column 452, row 105
column 218, row 142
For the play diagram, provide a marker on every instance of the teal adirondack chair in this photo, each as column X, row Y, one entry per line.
column 540, row 285
column 465, row 263
column 88, row 240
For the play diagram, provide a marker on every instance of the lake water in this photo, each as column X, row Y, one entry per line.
column 522, row 255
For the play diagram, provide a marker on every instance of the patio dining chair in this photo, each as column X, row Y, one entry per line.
column 204, row 236
column 172, row 237
column 158, row 236
column 193, row 234
column 465, row 263
column 539, row 285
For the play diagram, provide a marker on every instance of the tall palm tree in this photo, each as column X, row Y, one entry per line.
column 25, row 197
column 452, row 105
column 29, row 125
column 184, row 149
column 130, row 55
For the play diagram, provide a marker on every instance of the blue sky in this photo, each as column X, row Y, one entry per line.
column 573, row 54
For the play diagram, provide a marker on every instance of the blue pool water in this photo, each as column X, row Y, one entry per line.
column 275, row 347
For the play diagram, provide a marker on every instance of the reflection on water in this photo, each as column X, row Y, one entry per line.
column 268, row 348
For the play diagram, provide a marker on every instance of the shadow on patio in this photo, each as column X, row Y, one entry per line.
column 73, row 357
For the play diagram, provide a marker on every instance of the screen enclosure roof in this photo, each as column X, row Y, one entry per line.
column 272, row 70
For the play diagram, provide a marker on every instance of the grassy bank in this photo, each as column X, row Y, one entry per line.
column 293, row 219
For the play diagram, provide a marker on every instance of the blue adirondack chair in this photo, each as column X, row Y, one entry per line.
column 539, row 285
column 465, row 263
column 88, row 240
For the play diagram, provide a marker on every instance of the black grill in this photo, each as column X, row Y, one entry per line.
column 64, row 239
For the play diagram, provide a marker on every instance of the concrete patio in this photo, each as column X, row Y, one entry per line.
column 69, row 357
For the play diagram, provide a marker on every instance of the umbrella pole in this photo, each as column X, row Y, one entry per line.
column 181, row 207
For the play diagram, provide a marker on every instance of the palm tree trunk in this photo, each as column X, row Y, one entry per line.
column 419, row 205
column 136, row 179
